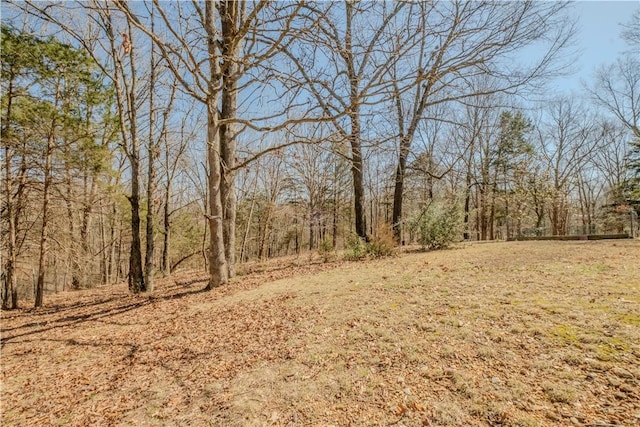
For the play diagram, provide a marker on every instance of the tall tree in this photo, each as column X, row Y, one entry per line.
column 617, row 89
column 567, row 139
column 461, row 40
column 63, row 92
column 239, row 38
column 160, row 111
column 19, row 61
column 111, row 43
column 340, row 66
column 510, row 161
column 152, row 155
column 232, row 18
column 125, row 78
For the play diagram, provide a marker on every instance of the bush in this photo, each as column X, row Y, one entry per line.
column 356, row 248
column 382, row 244
column 438, row 226
column 325, row 250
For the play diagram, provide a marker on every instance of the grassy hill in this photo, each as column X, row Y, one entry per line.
column 501, row 334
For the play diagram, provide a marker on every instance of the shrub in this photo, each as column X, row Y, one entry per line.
column 325, row 250
column 356, row 248
column 382, row 244
column 438, row 227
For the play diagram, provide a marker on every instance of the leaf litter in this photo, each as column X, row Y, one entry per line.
column 504, row 334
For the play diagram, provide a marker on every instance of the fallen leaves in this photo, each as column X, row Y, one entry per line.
column 503, row 334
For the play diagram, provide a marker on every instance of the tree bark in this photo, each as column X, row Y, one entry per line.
column 9, row 285
column 87, row 210
column 9, row 279
column 136, row 277
column 358, row 186
column 218, row 269
column 265, row 232
column 229, row 18
column 72, row 256
column 398, row 190
column 467, row 202
column 152, row 152
column 45, row 215
column 166, row 221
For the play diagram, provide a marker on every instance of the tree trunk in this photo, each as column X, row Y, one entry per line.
column 357, row 169
column 358, row 188
column 492, row 213
column 334, row 234
column 118, row 254
column 218, row 269
column 405, row 146
column 166, row 231
column 152, row 153
column 45, row 218
column 312, row 227
column 87, row 209
column 229, row 20
column 398, row 191
column 482, row 208
column 72, row 256
column 477, row 207
column 103, row 252
column 9, row 285
column 9, row 279
column 467, row 205
column 128, row 107
column 136, row 278
column 113, row 249
column 243, row 255
column 265, row 232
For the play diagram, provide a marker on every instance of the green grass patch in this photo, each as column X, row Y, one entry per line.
column 596, row 268
column 611, row 349
column 630, row 319
column 566, row 334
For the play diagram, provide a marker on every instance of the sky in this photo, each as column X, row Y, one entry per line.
column 598, row 38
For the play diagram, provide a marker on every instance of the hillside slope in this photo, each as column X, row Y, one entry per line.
column 501, row 334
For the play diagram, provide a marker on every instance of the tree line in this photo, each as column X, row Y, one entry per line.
column 139, row 137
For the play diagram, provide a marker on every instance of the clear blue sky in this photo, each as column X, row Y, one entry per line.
column 598, row 38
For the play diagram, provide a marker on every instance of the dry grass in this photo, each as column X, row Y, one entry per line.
column 505, row 334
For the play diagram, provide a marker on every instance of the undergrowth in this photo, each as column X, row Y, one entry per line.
column 381, row 244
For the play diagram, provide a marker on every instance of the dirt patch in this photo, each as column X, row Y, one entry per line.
column 504, row 334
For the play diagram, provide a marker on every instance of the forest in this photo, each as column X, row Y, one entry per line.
column 139, row 138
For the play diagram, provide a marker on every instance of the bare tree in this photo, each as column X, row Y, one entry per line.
column 247, row 40
column 611, row 160
column 567, row 139
column 475, row 132
column 617, row 86
column 152, row 154
column 125, row 80
column 158, row 132
column 111, row 43
column 339, row 64
column 459, row 41
column 173, row 154
column 311, row 170
column 618, row 90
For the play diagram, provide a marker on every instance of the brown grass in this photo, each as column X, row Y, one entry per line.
column 504, row 334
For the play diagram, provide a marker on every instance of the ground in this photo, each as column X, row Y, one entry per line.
column 497, row 334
